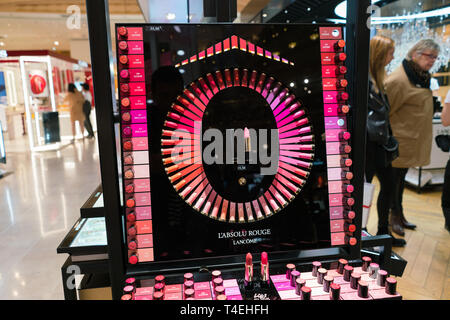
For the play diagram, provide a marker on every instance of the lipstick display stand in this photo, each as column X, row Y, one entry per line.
column 307, row 211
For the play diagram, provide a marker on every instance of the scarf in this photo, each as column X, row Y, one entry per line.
column 417, row 76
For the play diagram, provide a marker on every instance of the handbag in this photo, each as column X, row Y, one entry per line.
column 443, row 142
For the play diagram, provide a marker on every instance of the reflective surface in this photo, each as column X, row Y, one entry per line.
column 39, row 203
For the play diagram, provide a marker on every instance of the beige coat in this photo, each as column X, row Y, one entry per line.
column 411, row 119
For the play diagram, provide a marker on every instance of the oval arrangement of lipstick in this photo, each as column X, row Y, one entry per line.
column 185, row 115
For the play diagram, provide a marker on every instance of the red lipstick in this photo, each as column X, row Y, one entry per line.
column 248, row 280
column 264, row 269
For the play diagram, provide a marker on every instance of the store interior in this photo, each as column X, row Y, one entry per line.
column 51, row 181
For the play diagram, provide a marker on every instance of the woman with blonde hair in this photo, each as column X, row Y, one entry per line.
column 411, row 115
column 381, row 147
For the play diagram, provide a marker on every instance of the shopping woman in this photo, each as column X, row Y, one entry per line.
column 381, row 146
column 445, row 199
column 75, row 100
column 411, row 115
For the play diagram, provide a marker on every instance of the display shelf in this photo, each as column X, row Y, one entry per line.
column 94, row 206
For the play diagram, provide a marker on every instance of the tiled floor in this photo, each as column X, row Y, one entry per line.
column 39, row 203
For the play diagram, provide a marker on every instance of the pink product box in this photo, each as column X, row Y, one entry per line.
column 336, row 212
column 138, row 102
column 144, row 240
column 329, row 84
column 141, row 185
column 239, row 297
column 142, row 199
column 329, row 71
column 335, row 186
column 327, row 45
column 136, row 61
column 332, row 135
column 337, row 225
column 137, row 88
column 143, row 291
column 330, row 110
column 135, row 47
column 135, row 33
column 143, row 213
column 139, row 157
column 337, row 239
column 330, row 32
column 137, row 75
column 317, row 291
column 140, row 171
column 330, row 96
column 335, row 123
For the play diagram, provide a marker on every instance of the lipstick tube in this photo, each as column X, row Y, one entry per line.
column 188, row 277
column 339, row 45
column 189, row 293
column 373, row 270
column 232, row 216
column 273, row 93
column 349, row 215
column 218, row 282
column 132, row 244
column 159, row 287
column 267, row 87
column 258, row 212
column 188, row 284
column 346, row 174
column 237, row 82
column 205, row 88
column 219, row 290
column 123, row 32
column 128, row 289
column 264, row 269
column 316, row 265
column 221, row 297
column 252, row 81
column 220, row 80
column 160, row 279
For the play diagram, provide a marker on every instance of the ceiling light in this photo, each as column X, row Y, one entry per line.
column 170, row 16
column 56, row 43
column 2, row 44
column 306, row 81
column 180, row 52
column 264, row 15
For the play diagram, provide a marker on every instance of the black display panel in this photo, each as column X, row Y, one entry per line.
column 245, row 139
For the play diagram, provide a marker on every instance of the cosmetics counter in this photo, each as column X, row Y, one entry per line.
column 240, row 161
